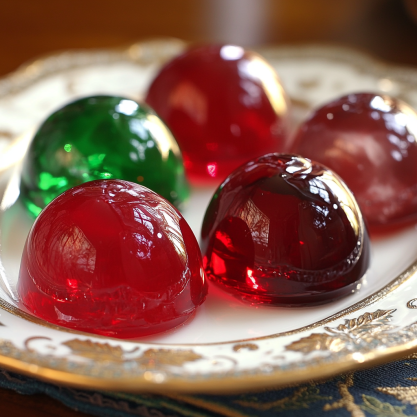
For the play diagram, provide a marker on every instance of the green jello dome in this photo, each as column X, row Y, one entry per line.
column 102, row 137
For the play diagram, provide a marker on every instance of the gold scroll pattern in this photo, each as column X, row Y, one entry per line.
column 150, row 358
column 102, row 359
column 356, row 332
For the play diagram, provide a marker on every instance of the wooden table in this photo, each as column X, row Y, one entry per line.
column 28, row 29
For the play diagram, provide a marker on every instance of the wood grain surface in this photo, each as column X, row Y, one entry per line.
column 30, row 28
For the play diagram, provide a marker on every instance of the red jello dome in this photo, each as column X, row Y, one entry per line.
column 283, row 230
column 370, row 141
column 114, row 258
column 224, row 105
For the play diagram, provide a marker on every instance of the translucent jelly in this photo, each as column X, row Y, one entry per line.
column 283, row 230
column 102, row 137
column 370, row 141
column 224, row 105
column 114, row 258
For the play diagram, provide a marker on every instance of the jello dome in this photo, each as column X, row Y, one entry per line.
column 113, row 258
column 225, row 106
column 370, row 140
column 283, row 230
column 102, row 137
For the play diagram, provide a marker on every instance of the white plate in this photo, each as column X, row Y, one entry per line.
column 228, row 345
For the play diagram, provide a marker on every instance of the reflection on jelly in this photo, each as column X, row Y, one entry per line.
column 102, row 137
column 225, row 106
column 283, row 230
column 113, row 258
column 212, row 170
column 370, row 141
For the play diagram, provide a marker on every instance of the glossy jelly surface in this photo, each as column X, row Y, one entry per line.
column 102, row 137
column 114, row 258
column 225, row 106
column 283, row 230
column 370, row 141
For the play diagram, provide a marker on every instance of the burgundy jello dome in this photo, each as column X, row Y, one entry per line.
column 283, row 230
column 370, row 140
column 114, row 258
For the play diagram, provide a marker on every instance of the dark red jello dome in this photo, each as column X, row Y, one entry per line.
column 370, row 141
column 114, row 258
column 224, row 105
column 286, row 231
